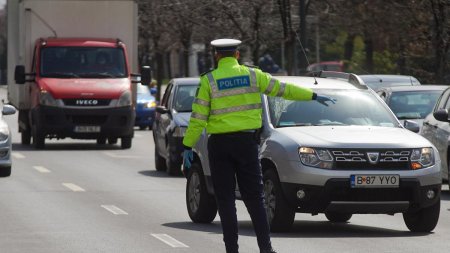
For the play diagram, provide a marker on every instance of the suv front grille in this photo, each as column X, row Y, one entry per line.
column 392, row 159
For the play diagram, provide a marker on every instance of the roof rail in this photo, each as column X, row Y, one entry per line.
column 349, row 77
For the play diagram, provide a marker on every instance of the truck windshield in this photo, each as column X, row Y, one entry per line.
column 82, row 62
column 351, row 108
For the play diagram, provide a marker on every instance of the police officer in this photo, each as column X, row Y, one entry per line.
column 228, row 104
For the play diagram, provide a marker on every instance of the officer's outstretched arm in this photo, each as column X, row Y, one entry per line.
column 273, row 87
column 200, row 114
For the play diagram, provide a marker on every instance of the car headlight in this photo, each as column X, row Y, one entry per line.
column 125, row 99
column 150, row 104
column 179, row 132
column 4, row 133
column 319, row 158
column 45, row 98
column 422, row 158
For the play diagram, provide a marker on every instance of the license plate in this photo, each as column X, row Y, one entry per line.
column 87, row 129
column 374, row 181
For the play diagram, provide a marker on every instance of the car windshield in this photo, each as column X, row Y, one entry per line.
column 377, row 83
column 142, row 89
column 184, row 97
column 353, row 107
column 413, row 104
column 82, row 62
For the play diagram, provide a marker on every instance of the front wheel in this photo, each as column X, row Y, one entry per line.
column 26, row 137
column 5, row 172
column 280, row 215
column 200, row 204
column 338, row 217
column 126, row 142
column 424, row 220
column 38, row 138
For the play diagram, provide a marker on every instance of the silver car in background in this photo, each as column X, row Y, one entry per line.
column 5, row 142
column 351, row 157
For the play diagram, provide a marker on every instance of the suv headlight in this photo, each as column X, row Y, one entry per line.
column 45, row 98
column 319, row 158
column 422, row 158
column 4, row 133
column 125, row 99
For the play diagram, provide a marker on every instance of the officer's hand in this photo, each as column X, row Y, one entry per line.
column 188, row 157
column 322, row 99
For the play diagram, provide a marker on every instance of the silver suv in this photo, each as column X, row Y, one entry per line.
column 351, row 157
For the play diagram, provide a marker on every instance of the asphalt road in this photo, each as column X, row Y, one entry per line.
column 76, row 196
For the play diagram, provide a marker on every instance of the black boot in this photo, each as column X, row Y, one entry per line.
column 268, row 251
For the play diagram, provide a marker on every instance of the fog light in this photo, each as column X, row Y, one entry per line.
column 301, row 194
column 431, row 194
column 3, row 153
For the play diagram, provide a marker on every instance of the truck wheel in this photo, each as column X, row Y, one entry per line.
column 25, row 137
column 200, row 204
column 5, row 172
column 338, row 217
column 101, row 141
column 280, row 215
column 160, row 162
column 126, row 142
column 424, row 220
column 38, row 139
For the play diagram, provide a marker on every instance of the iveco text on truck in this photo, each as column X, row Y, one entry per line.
column 70, row 65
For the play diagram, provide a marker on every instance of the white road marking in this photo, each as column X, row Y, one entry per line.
column 73, row 187
column 17, row 155
column 41, row 169
column 114, row 209
column 113, row 155
column 172, row 242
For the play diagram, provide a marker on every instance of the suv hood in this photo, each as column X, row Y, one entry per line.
column 354, row 137
column 76, row 88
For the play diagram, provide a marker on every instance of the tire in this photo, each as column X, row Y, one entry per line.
column 142, row 127
column 125, row 142
column 201, row 206
column 5, row 172
column 424, row 220
column 173, row 167
column 160, row 162
column 112, row 140
column 26, row 137
column 280, row 215
column 101, row 141
column 38, row 138
column 338, row 217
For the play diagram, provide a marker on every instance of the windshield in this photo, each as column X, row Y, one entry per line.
column 184, row 97
column 142, row 89
column 413, row 104
column 353, row 107
column 82, row 62
column 377, row 83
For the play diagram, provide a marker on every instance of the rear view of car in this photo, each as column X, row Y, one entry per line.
column 377, row 82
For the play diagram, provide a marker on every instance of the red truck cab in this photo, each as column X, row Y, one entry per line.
column 80, row 88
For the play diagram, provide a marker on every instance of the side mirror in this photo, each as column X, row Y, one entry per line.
column 412, row 126
column 153, row 91
column 19, row 74
column 146, row 75
column 441, row 115
column 161, row 109
column 8, row 110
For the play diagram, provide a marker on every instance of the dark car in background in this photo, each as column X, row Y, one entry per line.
column 436, row 128
column 145, row 107
column 376, row 82
column 171, row 120
column 411, row 103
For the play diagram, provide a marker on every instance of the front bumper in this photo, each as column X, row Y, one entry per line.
column 337, row 195
column 60, row 122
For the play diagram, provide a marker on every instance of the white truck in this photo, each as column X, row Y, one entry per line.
column 70, row 69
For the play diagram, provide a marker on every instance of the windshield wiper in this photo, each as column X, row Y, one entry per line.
column 61, row 75
column 408, row 117
column 98, row 75
column 294, row 125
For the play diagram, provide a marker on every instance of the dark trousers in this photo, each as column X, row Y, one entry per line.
column 235, row 156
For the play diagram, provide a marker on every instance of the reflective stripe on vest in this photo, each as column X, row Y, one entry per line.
column 236, row 109
column 270, row 86
column 215, row 93
column 199, row 116
column 281, row 90
column 202, row 102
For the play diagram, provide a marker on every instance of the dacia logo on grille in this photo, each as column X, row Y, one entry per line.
column 86, row 102
column 373, row 157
